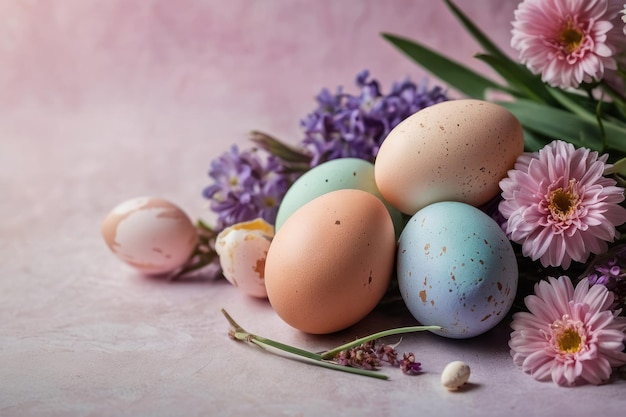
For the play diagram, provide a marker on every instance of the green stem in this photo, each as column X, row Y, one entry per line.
column 263, row 342
column 242, row 335
column 239, row 333
column 400, row 330
column 619, row 167
column 316, row 361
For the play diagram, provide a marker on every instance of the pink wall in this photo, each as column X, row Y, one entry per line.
column 251, row 57
column 101, row 85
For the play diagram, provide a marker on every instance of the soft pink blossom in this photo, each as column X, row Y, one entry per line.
column 569, row 335
column 566, row 41
column 559, row 206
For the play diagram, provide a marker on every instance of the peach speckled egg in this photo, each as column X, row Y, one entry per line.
column 242, row 249
column 150, row 234
column 456, row 150
column 331, row 262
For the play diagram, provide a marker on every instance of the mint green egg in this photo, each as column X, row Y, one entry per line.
column 337, row 174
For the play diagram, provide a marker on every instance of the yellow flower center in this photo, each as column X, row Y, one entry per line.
column 570, row 37
column 568, row 335
column 563, row 202
column 569, row 341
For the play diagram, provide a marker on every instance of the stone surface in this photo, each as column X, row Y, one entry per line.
column 105, row 100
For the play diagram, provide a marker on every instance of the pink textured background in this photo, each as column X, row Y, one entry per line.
column 104, row 100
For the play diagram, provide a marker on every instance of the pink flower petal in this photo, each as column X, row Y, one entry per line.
column 537, row 35
column 542, row 341
column 591, row 204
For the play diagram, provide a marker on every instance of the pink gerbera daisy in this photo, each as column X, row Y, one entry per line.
column 559, row 206
column 566, row 41
column 569, row 335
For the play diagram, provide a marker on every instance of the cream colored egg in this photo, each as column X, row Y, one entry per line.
column 242, row 249
column 455, row 375
column 456, row 150
column 150, row 234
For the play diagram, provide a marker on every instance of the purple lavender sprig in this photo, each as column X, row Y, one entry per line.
column 345, row 125
column 370, row 355
column 408, row 365
column 609, row 270
column 326, row 359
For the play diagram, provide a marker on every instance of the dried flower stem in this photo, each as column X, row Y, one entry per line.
column 238, row 333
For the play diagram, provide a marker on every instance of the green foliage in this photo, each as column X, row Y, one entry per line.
column 546, row 113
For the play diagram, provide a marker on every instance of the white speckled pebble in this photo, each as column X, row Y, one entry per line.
column 455, row 374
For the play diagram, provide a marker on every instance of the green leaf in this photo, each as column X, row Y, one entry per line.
column 533, row 142
column 518, row 76
column 478, row 35
column 619, row 167
column 572, row 105
column 618, row 99
column 562, row 124
column 528, row 85
column 449, row 71
column 280, row 149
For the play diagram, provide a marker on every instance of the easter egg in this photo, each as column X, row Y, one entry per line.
column 456, row 269
column 150, row 234
column 337, row 174
column 331, row 262
column 456, row 150
column 242, row 249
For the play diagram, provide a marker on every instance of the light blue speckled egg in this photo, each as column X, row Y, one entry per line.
column 456, row 269
column 337, row 174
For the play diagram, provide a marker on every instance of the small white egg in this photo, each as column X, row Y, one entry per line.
column 150, row 234
column 242, row 249
column 454, row 375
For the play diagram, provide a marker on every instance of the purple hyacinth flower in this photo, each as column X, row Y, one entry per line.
column 245, row 187
column 609, row 270
column 355, row 126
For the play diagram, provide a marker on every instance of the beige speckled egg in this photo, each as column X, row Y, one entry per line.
column 331, row 262
column 456, row 150
column 242, row 249
column 455, row 375
column 150, row 234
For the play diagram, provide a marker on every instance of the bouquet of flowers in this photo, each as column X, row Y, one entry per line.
column 568, row 91
column 562, row 202
column 561, row 205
